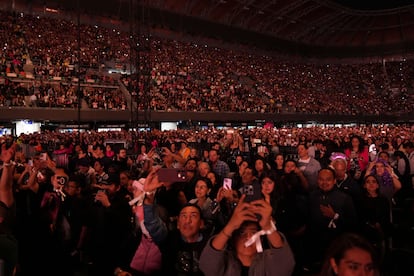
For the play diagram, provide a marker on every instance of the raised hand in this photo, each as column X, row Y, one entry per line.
column 242, row 212
column 263, row 209
column 7, row 154
column 151, row 182
column 327, row 211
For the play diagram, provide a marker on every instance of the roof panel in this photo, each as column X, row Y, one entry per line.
column 310, row 22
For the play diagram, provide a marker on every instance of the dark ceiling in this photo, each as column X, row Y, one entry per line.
column 313, row 23
column 374, row 4
column 366, row 27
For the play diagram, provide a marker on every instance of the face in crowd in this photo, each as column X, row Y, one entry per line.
column 279, row 160
column 213, row 156
column 268, row 185
column 371, row 185
column 191, row 165
column 302, row 152
column 326, row 180
column 247, row 176
column 356, row 261
column 259, row 165
column 340, row 169
column 189, row 223
column 203, row 169
column 246, row 231
column 201, row 189
column 212, row 177
column 290, row 166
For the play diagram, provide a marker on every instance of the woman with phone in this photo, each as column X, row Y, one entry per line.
column 237, row 248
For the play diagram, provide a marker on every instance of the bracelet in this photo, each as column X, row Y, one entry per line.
column 271, row 230
column 225, row 234
column 256, row 237
column 332, row 222
column 10, row 163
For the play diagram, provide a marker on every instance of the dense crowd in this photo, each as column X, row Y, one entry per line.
column 60, row 95
column 74, row 195
column 191, row 76
column 208, row 201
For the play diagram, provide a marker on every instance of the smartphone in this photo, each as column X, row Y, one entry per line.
column 30, row 162
column 172, row 175
column 227, row 183
column 251, row 193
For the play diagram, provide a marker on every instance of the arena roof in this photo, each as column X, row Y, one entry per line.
column 307, row 22
column 364, row 27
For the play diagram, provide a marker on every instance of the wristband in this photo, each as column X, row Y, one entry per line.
column 256, row 237
column 332, row 222
column 225, row 234
column 272, row 229
column 10, row 163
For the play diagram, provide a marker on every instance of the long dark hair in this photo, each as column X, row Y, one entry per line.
column 361, row 145
column 265, row 168
column 278, row 192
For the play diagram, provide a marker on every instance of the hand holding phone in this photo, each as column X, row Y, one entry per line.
column 251, row 193
column 172, row 175
column 227, row 183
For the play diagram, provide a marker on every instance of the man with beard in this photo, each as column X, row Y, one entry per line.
column 122, row 161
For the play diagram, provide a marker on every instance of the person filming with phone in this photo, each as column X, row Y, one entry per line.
column 249, row 244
